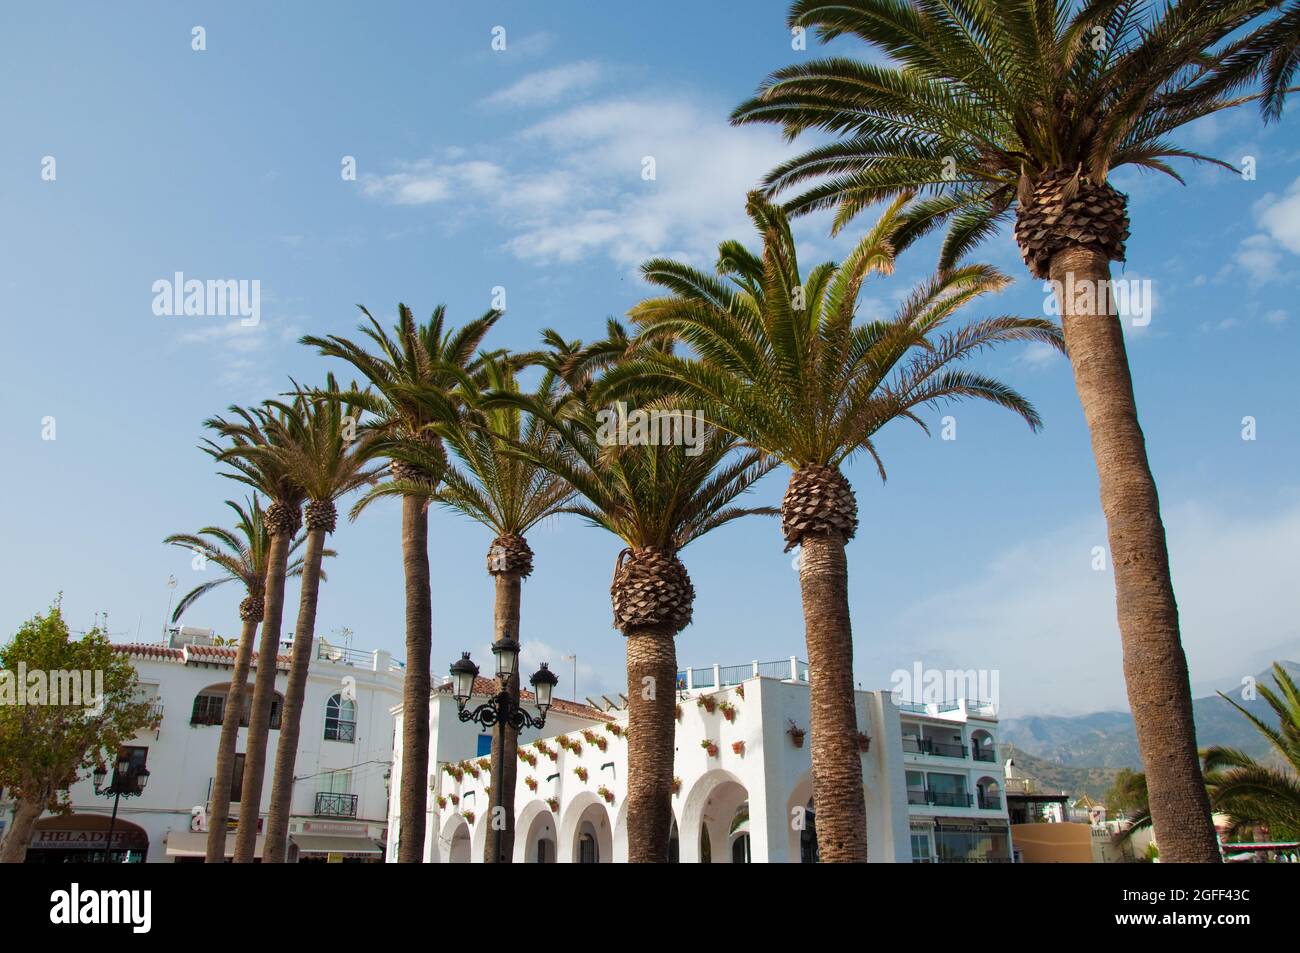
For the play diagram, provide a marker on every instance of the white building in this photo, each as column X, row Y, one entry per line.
column 737, row 801
column 345, row 750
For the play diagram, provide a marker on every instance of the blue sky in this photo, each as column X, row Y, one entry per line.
column 522, row 169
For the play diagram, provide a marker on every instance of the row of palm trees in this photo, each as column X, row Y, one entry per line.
column 994, row 106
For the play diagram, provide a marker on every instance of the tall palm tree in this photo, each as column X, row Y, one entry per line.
column 1256, row 794
column 656, row 499
column 316, row 442
column 253, row 435
column 993, row 106
column 508, row 494
column 241, row 553
column 779, row 361
column 415, row 375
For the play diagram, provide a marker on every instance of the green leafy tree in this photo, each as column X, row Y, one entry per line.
column 47, row 746
column 1000, row 108
column 780, row 360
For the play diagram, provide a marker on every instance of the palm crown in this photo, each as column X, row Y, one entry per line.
column 499, row 487
column 1255, row 793
column 990, row 97
column 416, row 374
column 781, row 362
column 240, row 552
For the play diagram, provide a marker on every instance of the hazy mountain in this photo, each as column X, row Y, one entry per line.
column 1107, row 739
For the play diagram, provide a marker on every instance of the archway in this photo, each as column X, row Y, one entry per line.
column 454, row 843
column 982, row 746
column 586, row 834
column 536, row 838
column 801, row 822
column 620, row 835
column 709, row 816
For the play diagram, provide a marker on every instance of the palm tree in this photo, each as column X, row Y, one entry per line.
column 243, row 554
column 994, row 106
column 509, row 495
column 415, row 375
column 317, row 444
column 656, row 499
column 1255, row 794
column 252, row 454
column 780, row 362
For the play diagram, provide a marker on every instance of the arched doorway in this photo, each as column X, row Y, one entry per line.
column 801, row 818
column 456, row 841
column 586, row 833
column 711, row 814
column 536, row 838
column 81, row 838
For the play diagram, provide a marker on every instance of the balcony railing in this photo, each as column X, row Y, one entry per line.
column 336, row 805
column 721, row 676
column 948, row 798
column 940, row 749
column 990, row 803
column 984, row 754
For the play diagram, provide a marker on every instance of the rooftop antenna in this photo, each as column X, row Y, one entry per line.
column 171, row 594
column 574, row 659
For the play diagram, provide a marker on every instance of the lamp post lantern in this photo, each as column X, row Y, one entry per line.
column 498, row 712
column 128, row 781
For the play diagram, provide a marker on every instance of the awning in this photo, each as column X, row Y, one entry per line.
column 324, row 844
column 195, row 844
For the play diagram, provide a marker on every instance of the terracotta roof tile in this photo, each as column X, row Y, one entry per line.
column 213, row 654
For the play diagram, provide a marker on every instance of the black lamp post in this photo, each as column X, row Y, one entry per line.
column 500, row 710
column 128, row 781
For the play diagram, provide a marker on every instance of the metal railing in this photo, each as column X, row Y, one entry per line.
column 990, row 802
column 336, row 805
column 984, row 754
column 948, row 798
column 735, row 674
column 928, row 746
column 721, row 676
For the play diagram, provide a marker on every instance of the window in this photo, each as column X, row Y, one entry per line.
column 210, row 706
column 921, row 848
column 340, row 719
column 543, row 851
column 208, row 709
column 587, row 853
column 484, row 745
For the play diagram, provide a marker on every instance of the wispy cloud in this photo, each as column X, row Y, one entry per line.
column 623, row 178
column 546, row 87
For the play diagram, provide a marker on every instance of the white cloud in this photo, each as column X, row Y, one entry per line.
column 548, row 86
column 1279, row 216
column 1040, row 615
column 576, row 187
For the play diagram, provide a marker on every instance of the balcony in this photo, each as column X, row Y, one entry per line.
column 336, row 805
column 990, row 802
column 940, row 749
column 938, row 798
column 722, row 676
column 984, row 754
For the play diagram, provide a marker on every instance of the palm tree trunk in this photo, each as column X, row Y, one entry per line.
column 836, row 762
column 1155, row 668
column 651, row 742
column 500, row 844
column 415, row 689
column 223, row 775
column 13, row 849
column 259, row 716
column 275, row 847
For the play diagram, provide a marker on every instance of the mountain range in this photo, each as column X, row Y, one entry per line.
column 1082, row 753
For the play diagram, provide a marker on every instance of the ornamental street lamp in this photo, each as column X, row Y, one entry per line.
column 497, row 712
column 128, row 781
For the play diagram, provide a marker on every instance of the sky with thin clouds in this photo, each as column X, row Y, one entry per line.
column 526, row 169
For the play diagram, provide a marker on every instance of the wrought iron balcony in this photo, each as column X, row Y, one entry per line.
column 336, row 805
column 931, row 747
column 990, row 803
column 984, row 754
